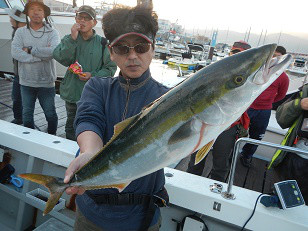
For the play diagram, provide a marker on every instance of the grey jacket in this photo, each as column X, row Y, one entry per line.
column 37, row 69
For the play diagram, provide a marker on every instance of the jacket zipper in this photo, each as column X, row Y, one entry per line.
column 127, row 100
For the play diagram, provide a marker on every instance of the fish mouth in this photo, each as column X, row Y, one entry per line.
column 272, row 67
column 279, row 64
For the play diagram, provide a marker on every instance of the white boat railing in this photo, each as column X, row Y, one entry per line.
column 228, row 194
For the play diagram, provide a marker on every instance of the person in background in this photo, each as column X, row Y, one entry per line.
column 32, row 47
column 260, row 111
column 104, row 103
column 239, row 46
column 293, row 114
column 223, row 147
column 88, row 49
column 17, row 20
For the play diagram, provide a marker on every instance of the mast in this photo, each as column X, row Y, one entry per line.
column 245, row 35
column 279, row 38
column 264, row 37
column 260, row 38
column 248, row 34
column 226, row 41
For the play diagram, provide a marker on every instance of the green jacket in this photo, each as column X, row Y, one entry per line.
column 89, row 55
column 289, row 115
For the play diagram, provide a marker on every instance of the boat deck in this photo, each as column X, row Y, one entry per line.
column 40, row 122
column 257, row 178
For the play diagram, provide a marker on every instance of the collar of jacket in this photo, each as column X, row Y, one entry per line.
column 135, row 83
column 45, row 28
column 93, row 35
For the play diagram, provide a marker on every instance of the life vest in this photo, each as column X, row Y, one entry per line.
column 275, row 160
column 279, row 154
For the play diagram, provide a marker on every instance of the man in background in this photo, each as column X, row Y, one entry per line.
column 260, row 111
column 87, row 48
column 32, row 47
column 17, row 20
column 293, row 114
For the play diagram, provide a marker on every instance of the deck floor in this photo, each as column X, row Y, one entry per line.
column 6, row 112
column 256, row 178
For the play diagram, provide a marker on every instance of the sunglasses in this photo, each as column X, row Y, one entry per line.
column 86, row 18
column 124, row 49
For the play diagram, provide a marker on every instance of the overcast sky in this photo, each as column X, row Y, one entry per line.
column 237, row 15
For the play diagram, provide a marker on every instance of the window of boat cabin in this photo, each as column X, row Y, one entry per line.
column 3, row 4
column 299, row 63
column 11, row 3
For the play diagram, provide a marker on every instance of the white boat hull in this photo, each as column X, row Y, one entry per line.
column 189, row 194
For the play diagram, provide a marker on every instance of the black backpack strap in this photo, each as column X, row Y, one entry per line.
column 104, row 43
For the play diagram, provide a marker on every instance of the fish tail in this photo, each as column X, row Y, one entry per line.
column 54, row 185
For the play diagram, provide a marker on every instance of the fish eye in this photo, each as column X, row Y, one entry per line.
column 238, row 79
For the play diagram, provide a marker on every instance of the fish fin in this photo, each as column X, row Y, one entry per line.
column 54, row 185
column 203, row 152
column 120, row 187
column 119, row 127
column 151, row 104
column 181, row 133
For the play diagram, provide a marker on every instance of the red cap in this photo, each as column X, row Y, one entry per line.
column 240, row 45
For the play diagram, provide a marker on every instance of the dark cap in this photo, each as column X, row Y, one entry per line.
column 39, row 2
column 88, row 10
column 240, row 45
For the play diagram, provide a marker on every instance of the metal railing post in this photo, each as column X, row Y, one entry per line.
column 228, row 194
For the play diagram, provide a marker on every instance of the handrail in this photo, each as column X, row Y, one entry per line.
column 228, row 194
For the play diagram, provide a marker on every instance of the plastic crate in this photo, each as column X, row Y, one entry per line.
column 38, row 195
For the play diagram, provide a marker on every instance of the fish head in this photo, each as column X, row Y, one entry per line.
column 231, row 85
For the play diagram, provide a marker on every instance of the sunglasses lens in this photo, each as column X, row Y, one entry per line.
column 86, row 18
column 142, row 48
column 139, row 48
column 120, row 50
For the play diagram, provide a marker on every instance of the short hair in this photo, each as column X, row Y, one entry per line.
column 281, row 50
column 123, row 19
column 235, row 51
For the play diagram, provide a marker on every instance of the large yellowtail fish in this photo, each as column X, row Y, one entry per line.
column 186, row 119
